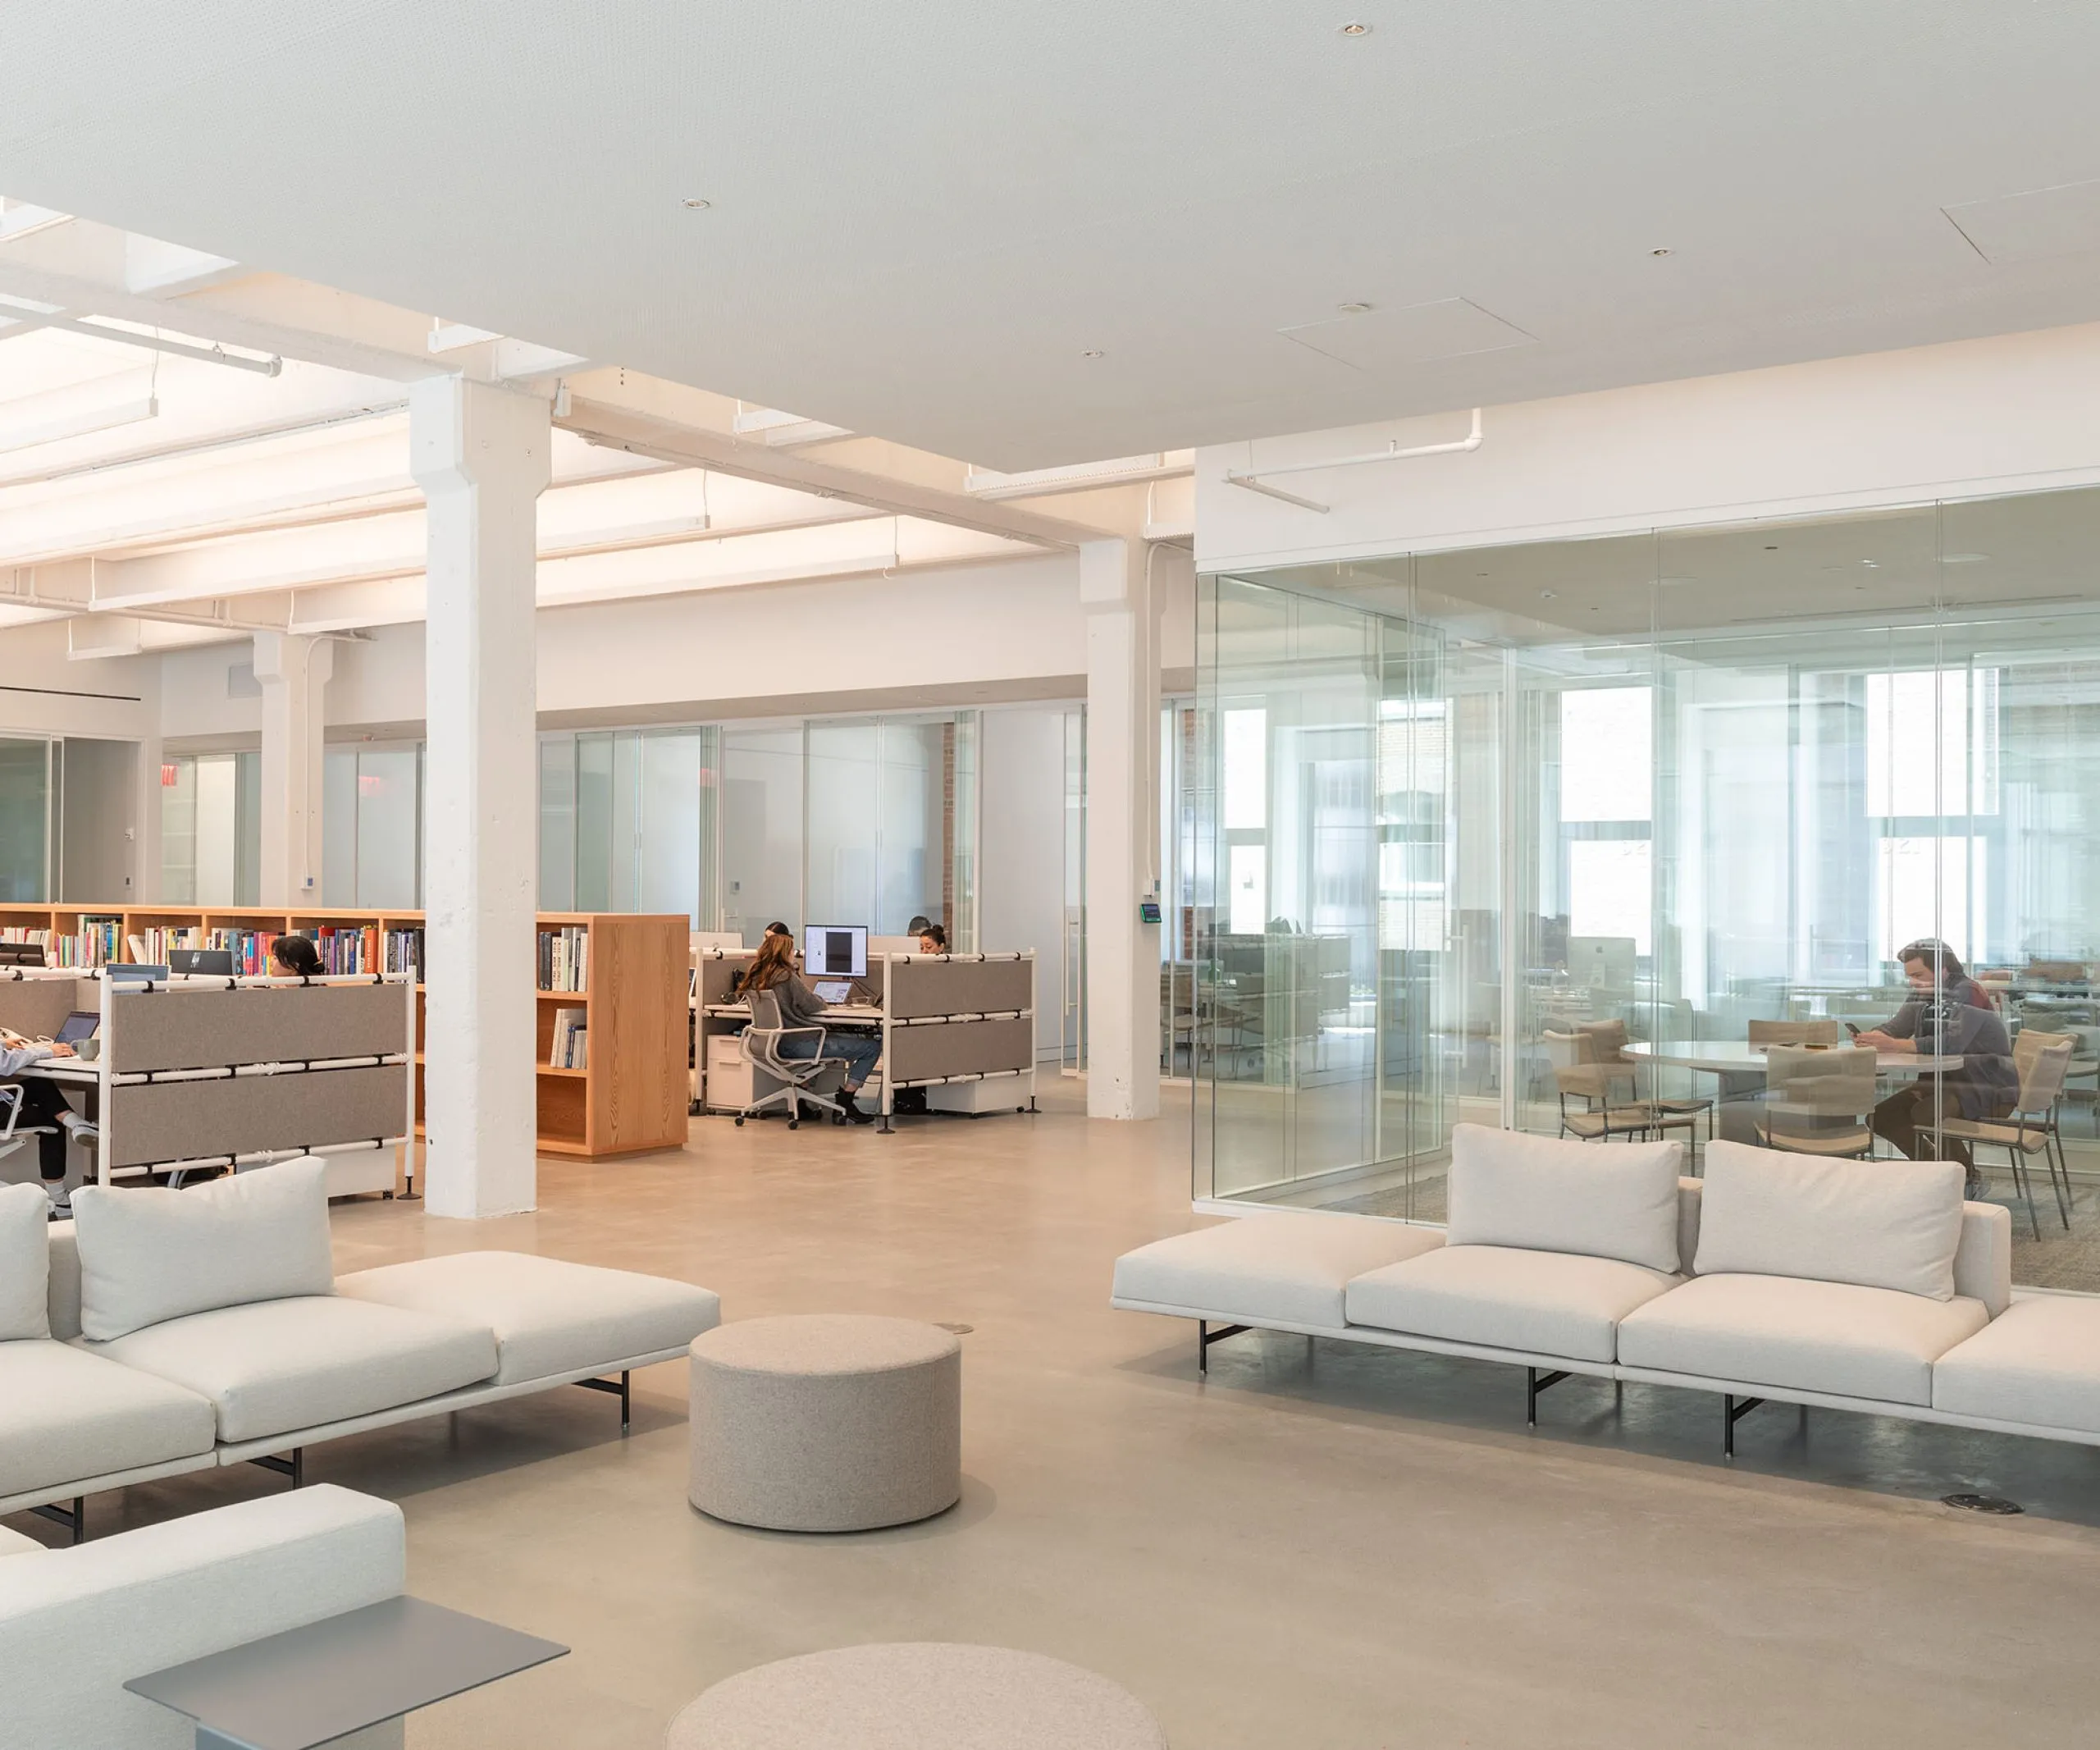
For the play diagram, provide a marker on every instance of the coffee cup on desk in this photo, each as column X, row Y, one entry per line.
column 87, row 1049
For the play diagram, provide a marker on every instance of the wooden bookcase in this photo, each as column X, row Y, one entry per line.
column 632, row 1095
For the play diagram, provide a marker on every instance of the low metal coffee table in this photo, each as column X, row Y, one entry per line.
column 310, row 1686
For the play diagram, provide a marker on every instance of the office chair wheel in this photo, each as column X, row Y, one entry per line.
column 794, row 1124
column 740, row 1121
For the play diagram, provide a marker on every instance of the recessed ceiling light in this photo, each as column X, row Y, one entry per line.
column 1352, row 309
column 1662, row 252
column 1356, row 30
column 1771, row 550
column 1546, row 595
column 1094, row 352
column 696, row 204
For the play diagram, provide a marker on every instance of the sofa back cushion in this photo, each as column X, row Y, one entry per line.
column 1878, row 1224
column 24, row 1266
column 149, row 1255
column 1615, row 1200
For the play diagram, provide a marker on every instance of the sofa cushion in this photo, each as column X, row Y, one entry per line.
column 14, row 1544
column 2038, row 1363
column 275, row 1366
column 1543, row 1193
column 1791, row 1333
column 550, row 1317
column 1542, row 1302
column 148, row 1255
column 24, row 1262
column 1876, row 1224
column 1277, row 1268
column 68, row 1416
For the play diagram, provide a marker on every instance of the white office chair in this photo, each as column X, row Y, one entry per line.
column 798, row 1076
column 14, row 1134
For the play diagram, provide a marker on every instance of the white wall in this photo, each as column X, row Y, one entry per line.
column 1021, row 833
column 2011, row 414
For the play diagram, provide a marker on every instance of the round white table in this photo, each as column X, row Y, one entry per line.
column 1739, row 1066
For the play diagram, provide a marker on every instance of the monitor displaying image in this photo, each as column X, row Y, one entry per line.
column 835, row 951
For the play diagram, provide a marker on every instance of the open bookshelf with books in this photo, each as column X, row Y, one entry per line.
column 609, row 1000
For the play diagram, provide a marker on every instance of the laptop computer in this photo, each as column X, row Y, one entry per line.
column 81, row 1024
column 835, row 991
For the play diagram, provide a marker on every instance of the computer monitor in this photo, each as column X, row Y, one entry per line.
column 835, row 951
column 81, row 1024
column 122, row 970
column 21, row 953
column 215, row 962
column 1601, row 962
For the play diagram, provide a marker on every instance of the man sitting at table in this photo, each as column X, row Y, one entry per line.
column 1947, row 1014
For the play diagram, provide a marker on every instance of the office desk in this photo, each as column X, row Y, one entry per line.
column 62, row 1069
column 1739, row 1067
column 863, row 1014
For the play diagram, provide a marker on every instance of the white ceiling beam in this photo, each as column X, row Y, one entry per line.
column 671, row 440
column 154, row 269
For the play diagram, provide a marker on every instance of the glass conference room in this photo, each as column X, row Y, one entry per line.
column 1455, row 811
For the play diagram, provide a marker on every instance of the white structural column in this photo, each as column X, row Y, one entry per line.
column 1122, row 829
column 480, row 455
column 293, row 672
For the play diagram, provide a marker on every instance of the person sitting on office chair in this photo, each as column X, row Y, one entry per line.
column 932, row 940
column 772, row 969
column 44, row 1105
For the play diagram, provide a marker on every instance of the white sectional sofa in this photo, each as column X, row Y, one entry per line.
column 1853, row 1285
column 76, row 1624
column 163, row 1331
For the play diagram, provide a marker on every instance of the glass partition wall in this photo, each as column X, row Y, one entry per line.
column 867, row 820
column 1333, row 914
column 1740, row 770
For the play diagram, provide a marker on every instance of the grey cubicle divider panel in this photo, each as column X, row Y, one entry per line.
column 192, row 1029
column 960, row 987
column 941, row 1050
column 151, row 1122
column 36, row 1005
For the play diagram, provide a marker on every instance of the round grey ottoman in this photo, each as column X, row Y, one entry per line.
column 916, row 1695
column 826, row 1421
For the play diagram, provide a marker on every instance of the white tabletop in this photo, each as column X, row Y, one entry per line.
column 62, row 1069
column 860, row 1011
column 1737, row 1056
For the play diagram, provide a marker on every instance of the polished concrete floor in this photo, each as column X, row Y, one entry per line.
column 1327, row 1545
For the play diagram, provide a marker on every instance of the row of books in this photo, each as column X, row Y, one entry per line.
column 346, row 949
column 565, row 958
column 571, row 1039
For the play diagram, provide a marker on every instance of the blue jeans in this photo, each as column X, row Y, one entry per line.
column 859, row 1050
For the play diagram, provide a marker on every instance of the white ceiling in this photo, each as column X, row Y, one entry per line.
column 923, row 216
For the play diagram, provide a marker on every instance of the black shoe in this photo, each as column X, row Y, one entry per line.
column 854, row 1115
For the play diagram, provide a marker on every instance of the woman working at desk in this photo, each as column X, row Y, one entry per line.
column 772, row 970
column 42, row 1102
column 1947, row 1014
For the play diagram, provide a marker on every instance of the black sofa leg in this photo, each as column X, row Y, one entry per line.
column 1534, row 1382
column 1733, row 1410
column 74, row 1519
column 621, row 1388
column 1205, row 1337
